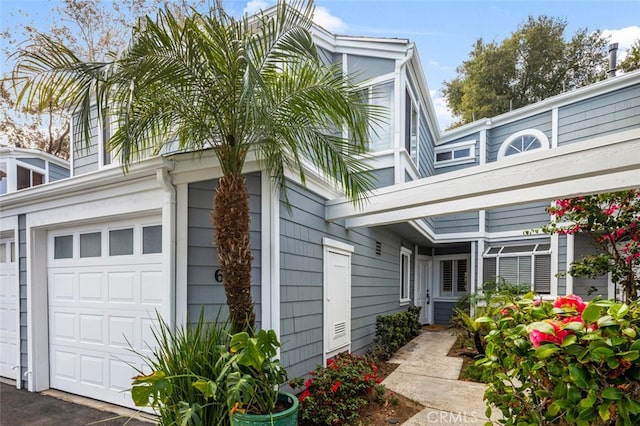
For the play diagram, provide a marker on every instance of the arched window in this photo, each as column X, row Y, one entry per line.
column 523, row 141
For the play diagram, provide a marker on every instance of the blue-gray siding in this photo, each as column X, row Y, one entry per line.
column 442, row 312
column 22, row 283
column 609, row 113
column 202, row 258
column 85, row 155
column 588, row 288
column 562, row 264
column 362, row 68
column 57, row 172
column 374, row 286
column 514, row 218
column 462, row 222
column 35, row 162
column 384, row 177
column 497, row 135
column 425, row 158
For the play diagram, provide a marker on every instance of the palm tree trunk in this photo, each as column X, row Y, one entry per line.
column 231, row 219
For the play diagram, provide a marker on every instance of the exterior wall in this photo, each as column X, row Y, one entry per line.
column 608, row 113
column 583, row 286
column 497, row 135
column 57, row 173
column 22, row 282
column 442, row 312
column 384, row 177
column 202, row 259
column 364, row 68
column 562, row 264
column 426, row 145
column 85, row 156
column 374, row 280
column 36, row 162
column 472, row 136
column 514, row 218
column 463, row 222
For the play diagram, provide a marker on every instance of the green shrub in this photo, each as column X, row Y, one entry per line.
column 181, row 354
column 394, row 330
column 335, row 394
column 566, row 362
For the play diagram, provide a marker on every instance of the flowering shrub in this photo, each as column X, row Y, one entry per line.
column 566, row 362
column 335, row 394
column 613, row 222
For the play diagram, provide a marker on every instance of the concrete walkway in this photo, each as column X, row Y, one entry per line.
column 427, row 375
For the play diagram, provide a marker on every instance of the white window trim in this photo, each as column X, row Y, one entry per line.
column 544, row 141
column 415, row 107
column 532, row 253
column 471, row 144
column 437, row 287
column 31, row 168
column 405, row 281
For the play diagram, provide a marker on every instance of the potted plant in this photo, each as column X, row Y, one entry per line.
column 251, row 380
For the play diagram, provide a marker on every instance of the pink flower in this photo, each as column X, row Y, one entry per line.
column 570, row 302
column 558, row 336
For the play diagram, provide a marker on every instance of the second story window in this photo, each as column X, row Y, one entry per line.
column 523, row 141
column 26, row 178
column 411, row 128
column 381, row 136
column 455, row 153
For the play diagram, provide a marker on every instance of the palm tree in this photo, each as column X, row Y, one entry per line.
column 235, row 86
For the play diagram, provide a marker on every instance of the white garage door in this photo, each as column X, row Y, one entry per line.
column 105, row 285
column 8, row 309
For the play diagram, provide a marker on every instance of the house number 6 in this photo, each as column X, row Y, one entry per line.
column 218, row 275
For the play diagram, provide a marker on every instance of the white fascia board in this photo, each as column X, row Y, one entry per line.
column 607, row 163
column 418, row 75
column 563, row 99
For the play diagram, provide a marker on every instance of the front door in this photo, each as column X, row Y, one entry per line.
column 423, row 289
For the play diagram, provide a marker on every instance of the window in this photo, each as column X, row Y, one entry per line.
column 457, row 153
column 381, row 136
column 411, row 128
column 523, row 141
column 152, row 239
column 453, row 277
column 405, row 273
column 519, row 264
column 121, row 242
column 26, row 178
column 3, row 252
column 63, row 247
column 91, row 244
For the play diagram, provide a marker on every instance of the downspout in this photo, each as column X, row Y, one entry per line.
column 169, row 235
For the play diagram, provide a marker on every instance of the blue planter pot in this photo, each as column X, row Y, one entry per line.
column 288, row 417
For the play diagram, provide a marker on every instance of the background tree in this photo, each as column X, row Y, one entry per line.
column 236, row 86
column 612, row 220
column 91, row 29
column 632, row 60
column 534, row 63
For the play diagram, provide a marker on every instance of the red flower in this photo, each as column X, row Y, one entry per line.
column 304, row 395
column 308, row 382
column 558, row 336
column 570, row 302
column 335, row 386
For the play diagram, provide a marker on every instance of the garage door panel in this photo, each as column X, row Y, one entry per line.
column 99, row 309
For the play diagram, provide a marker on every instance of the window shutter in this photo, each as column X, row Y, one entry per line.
column 509, row 269
column 489, row 270
column 461, row 284
column 542, row 274
column 524, row 270
column 447, row 276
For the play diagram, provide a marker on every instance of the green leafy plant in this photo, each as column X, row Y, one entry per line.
column 180, row 354
column 483, row 303
column 566, row 362
column 334, row 394
column 394, row 330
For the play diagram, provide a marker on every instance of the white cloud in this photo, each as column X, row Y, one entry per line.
column 624, row 37
column 443, row 114
column 326, row 20
column 254, row 6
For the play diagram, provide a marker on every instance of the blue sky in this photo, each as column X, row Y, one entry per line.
column 443, row 31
